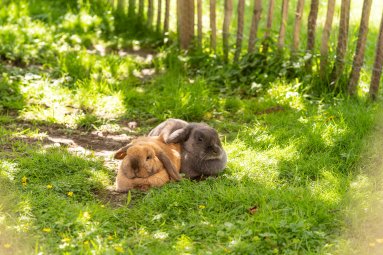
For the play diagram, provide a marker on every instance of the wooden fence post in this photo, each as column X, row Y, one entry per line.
column 282, row 30
column 121, row 6
column 186, row 22
column 325, row 37
column 254, row 24
column 269, row 24
column 131, row 8
column 311, row 28
column 342, row 42
column 360, row 47
column 167, row 13
column 199, row 22
column 213, row 26
column 297, row 25
column 241, row 10
column 150, row 13
column 226, row 28
column 159, row 15
column 378, row 64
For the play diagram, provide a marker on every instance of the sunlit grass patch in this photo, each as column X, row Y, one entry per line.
column 16, row 218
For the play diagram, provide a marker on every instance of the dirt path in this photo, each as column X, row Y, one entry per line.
column 365, row 220
column 101, row 143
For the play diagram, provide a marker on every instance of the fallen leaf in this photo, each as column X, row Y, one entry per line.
column 253, row 209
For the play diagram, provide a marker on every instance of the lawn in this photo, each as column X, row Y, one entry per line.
column 75, row 87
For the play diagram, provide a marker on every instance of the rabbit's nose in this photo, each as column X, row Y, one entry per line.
column 216, row 149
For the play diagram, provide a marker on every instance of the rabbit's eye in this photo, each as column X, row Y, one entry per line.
column 149, row 157
column 200, row 139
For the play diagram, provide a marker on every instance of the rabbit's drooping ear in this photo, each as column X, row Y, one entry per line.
column 121, row 153
column 170, row 169
column 180, row 135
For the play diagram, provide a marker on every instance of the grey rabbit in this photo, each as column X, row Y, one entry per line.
column 202, row 154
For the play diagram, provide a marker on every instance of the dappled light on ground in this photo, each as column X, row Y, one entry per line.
column 363, row 233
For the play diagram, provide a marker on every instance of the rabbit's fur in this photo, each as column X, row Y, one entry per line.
column 202, row 154
column 167, row 127
column 147, row 162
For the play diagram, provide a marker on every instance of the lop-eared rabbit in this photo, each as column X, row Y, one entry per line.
column 202, row 154
column 147, row 162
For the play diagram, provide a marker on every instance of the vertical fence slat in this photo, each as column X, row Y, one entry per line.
column 311, row 28
column 159, row 14
column 297, row 24
column 167, row 13
column 326, row 37
column 178, row 8
column 199, row 22
column 121, row 5
column 186, row 22
column 150, row 13
column 111, row 2
column 342, row 42
column 213, row 26
column 131, row 8
column 241, row 12
column 282, row 29
column 360, row 47
column 378, row 64
column 226, row 28
column 141, row 9
column 269, row 24
column 257, row 10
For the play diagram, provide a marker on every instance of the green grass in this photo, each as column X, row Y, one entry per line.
column 294, row 158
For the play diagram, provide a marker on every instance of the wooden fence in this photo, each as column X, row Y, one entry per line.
column 190, row 32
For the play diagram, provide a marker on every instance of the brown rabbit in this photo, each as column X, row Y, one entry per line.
column 202, row 153
column 147, row 162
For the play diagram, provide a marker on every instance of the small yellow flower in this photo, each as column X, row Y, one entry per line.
column 102, row 206
column 7, row 245
column 49, row 186
column 110, row 237
column 119, row 249
column 65, row 240
column 201, row 207
column 70, row 194
column 47, row 230
column 24, row 181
